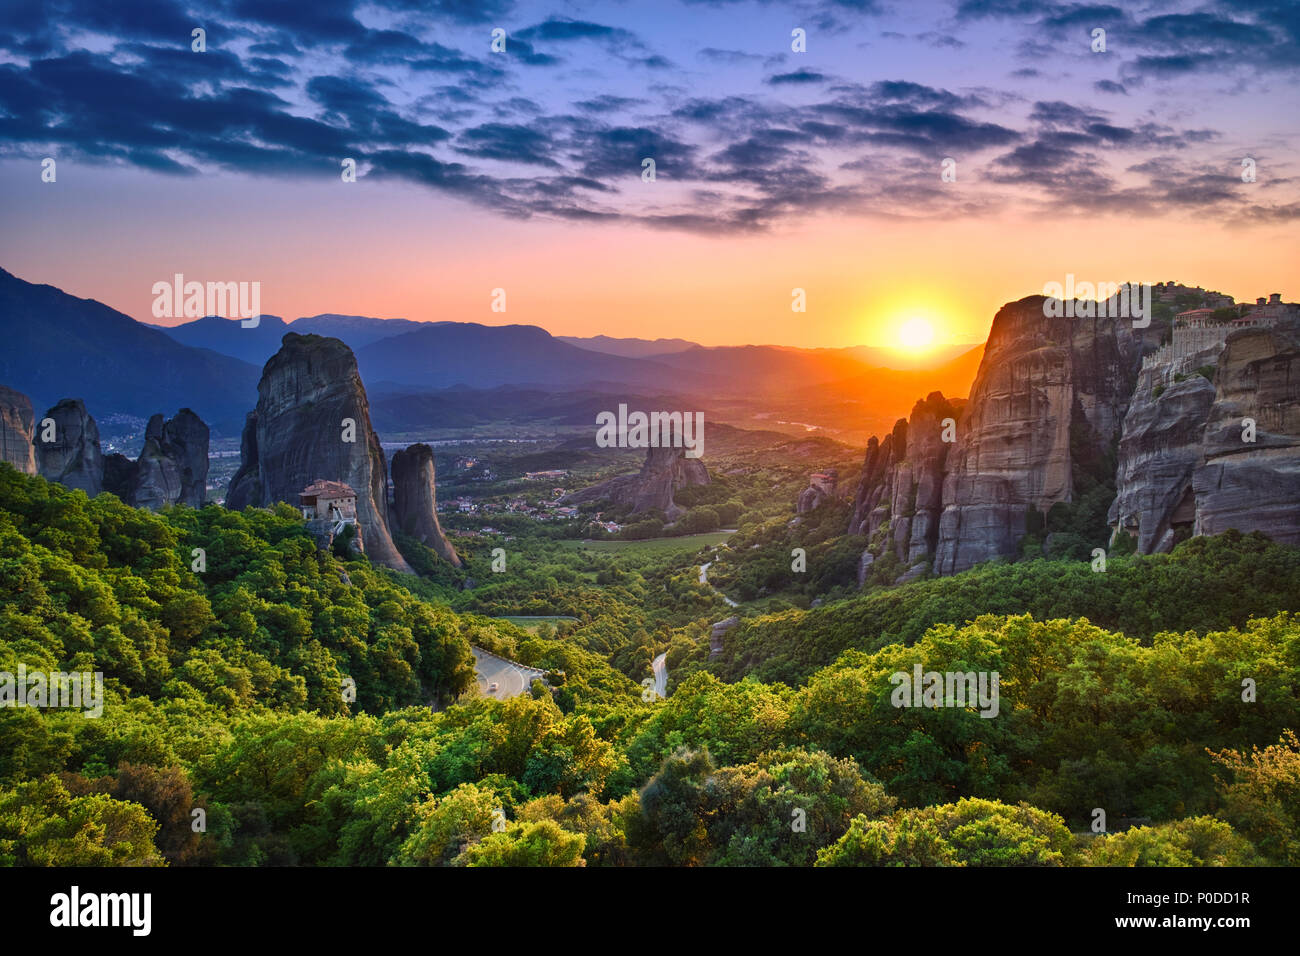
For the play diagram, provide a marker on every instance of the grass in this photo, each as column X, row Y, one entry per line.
column 686, row 542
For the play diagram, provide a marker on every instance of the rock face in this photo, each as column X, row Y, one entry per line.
column 900, row 495
column 415, row 500
column 73, row 457
column 1049, row 398
column 173, row 465
column 1158, row 454
column 16, row 419
column 313, row 421
column 822, row 487
column 1253, row 486
column 1063, row 405
column 1186, row 465
column 718, row 632
column 665, row 471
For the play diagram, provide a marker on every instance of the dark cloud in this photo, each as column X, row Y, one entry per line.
column 797, row 77
column 417, row 104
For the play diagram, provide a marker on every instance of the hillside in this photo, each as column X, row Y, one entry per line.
column 58, row 346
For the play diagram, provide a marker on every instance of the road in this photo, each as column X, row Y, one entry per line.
column 511, row 679
column 660, row 667
column 704, row 579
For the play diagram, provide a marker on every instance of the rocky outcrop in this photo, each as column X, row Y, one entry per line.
column 173, row 465
column 16, row 419
column 1187, row 464
column 1063, row 410
column 245, row 486
column 71, row 456
column 313, row 421
column 1158, row 454
column 718, row 632
column 822, row 487
column 1049, row 399
column 1244, row 484
column 666, row 470
column 415, row 500
column 900, row 496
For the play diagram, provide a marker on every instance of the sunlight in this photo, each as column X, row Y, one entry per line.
column 916, row 335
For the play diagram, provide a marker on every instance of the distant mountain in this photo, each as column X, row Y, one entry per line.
column 259, row 343
column 774, row 365
column 357, row 331
column 399, row 411
column 629, row 348
column 506, row 355
column 253, row 345
column 485, row 356
column 59, row 346
column 894, row 358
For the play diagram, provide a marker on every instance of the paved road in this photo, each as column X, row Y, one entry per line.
column 660, row 667
column 704, row 579
column 511, row 679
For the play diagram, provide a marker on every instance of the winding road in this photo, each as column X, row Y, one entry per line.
column 660, row 667
column 511, row 679
column 704, row 579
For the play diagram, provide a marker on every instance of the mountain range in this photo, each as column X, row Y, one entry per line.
column 60, row 346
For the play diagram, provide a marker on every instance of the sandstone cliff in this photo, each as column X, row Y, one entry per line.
column 1063, row 415
column 1049, row 399
column 415, row 500
column 1187, row 465
column 900, row 495
column 308, row 392
column 665, row 471
column 172, row 467
column 1158, row 454
column 73, row 457
column 1253, row 485
column 16, row 419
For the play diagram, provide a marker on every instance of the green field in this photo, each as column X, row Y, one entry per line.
column 687, row 542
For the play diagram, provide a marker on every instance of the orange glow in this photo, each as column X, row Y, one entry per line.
column 916, row 335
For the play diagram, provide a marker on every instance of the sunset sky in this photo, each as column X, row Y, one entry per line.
column 774, row 169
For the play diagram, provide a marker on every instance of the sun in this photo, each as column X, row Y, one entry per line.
column 916, row 335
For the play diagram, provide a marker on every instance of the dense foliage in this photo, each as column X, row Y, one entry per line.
column 228, row 735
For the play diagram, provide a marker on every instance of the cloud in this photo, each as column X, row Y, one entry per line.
column 801, row 76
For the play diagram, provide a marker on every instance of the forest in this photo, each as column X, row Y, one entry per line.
column 268, row 703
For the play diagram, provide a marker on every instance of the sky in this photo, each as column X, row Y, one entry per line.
column 775, row 169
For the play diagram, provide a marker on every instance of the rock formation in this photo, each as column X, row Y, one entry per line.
column 718, row 632
column 1158, row 454
column 900, row 495
column 1060, row 405
column 1253, row 485
column 415, row 500
column 72, row 457
column 666, row 470
column 1050, row 396
column 172, row 467
column 822, row 487
column 313, row 421
column 1187, row 465
column 16, row 420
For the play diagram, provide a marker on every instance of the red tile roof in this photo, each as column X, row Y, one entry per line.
column 327, row 489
